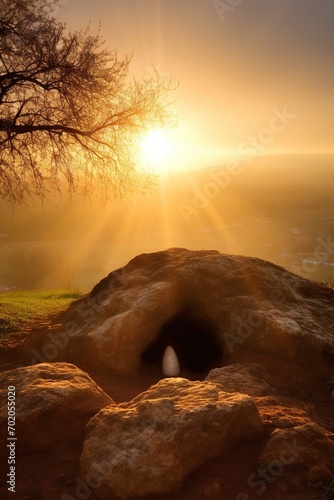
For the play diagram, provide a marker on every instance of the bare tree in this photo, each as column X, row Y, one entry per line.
column 27, row 269
column 69, row 111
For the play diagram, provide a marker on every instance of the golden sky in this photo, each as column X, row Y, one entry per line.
column 255, row 75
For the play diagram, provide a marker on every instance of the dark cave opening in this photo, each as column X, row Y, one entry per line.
column 194, row 340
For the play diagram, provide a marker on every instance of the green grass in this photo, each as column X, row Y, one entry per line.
column 20, row 307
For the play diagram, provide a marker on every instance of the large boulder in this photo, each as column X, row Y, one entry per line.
column 211, row 308
column 149, row 445
column 54, row 402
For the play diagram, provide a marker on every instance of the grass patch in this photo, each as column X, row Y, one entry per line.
column 20, row 307
column 329, row 489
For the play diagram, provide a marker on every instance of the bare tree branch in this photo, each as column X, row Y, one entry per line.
column 69, row 112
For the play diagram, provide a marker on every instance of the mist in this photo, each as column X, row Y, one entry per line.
column 278, row 208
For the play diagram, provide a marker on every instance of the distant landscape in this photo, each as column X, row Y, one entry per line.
column 279, row 208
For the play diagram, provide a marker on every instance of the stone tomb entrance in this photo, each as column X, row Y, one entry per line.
column 195, row 342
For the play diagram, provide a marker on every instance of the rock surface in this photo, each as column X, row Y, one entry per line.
column 53, row 402
column 149, row 445
column 243, row 304
column 248, row 378
column 304, row 445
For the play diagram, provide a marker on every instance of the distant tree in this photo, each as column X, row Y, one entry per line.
column 27, row 269
column 69, row 112
column 67, row 272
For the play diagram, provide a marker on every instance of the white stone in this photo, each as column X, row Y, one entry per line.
column 170, row 364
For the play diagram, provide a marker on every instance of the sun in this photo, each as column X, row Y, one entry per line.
column 156, row 147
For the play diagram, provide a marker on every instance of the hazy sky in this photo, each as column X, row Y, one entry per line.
column 235, row 64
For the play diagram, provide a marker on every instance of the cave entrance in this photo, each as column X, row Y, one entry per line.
column 195, row 342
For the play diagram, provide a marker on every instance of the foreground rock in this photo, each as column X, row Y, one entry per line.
column 54, row 402
column 304, row 445
column 149, row 445
column 211, row 308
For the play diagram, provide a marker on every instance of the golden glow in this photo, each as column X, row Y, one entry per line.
column 156, row 148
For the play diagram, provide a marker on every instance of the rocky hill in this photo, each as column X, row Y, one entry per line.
column 250, row 412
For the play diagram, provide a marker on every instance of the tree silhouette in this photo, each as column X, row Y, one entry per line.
column 27, row 269
column 69, row 111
